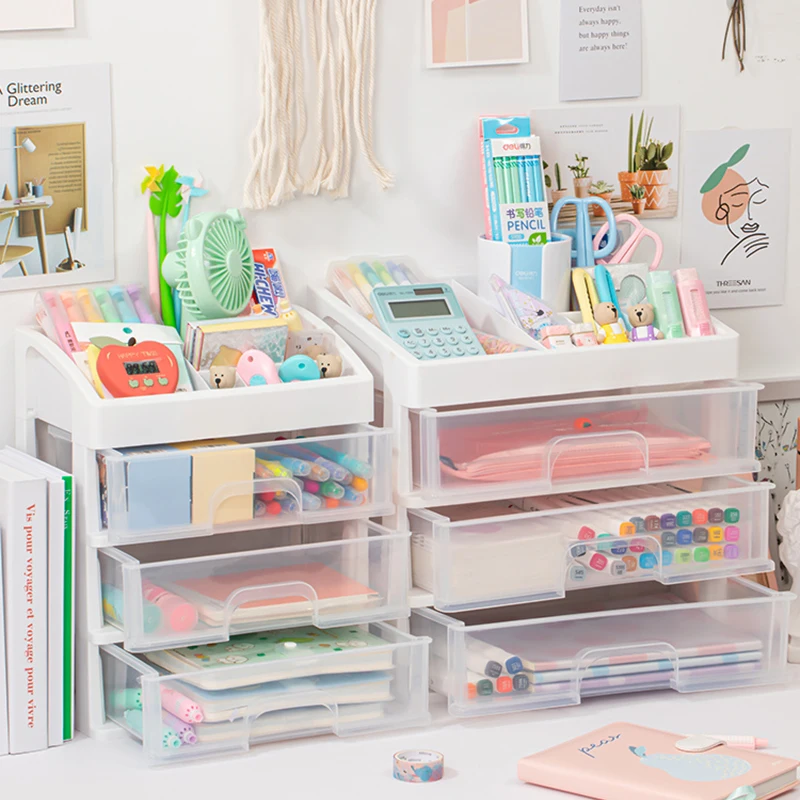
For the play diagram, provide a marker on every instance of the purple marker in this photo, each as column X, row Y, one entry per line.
column 183, row 730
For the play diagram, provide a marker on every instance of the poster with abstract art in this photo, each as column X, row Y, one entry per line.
column 468, row 33
column 736, row 214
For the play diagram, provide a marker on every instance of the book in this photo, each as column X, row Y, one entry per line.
column 61, row 593
column 622, row 761
column 23, row 518
column 3, row 682
column 205, row 338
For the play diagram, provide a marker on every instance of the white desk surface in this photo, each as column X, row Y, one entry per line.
column 480, row 754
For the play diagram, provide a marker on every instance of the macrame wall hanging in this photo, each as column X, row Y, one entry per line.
column 737, row 31
column 340, row 38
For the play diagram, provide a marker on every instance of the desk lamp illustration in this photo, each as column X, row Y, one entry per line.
column 26, row 144
column 695, row 767
column 731, row 200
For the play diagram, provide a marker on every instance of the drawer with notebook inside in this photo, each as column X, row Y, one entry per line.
column 469, row 454
column 217, row 486
column 527, row 550
column 719, row 634
column 196, row 591
column 197, row 702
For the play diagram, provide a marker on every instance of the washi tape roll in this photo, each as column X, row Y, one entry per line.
column 418, row 766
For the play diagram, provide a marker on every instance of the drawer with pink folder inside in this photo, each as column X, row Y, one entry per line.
column 199, row 591
column 463, row 455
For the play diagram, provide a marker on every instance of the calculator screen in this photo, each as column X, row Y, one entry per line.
column 416, row 309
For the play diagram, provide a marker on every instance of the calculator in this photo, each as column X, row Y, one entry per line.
column 426, row 320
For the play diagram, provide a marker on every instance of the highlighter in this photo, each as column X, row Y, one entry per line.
column 370, row 274
column 694, row 303
column 123, row 304
column 357, row 276
column 107, row 307
column 663, row 295
column 383, row 274
column 89, row 306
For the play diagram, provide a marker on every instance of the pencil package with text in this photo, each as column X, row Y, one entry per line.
column 513, row 178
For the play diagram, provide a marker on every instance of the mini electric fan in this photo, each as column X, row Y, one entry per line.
column 212, row 267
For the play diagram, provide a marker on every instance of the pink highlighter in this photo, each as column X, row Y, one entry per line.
column 694, row 304
column 179, row 615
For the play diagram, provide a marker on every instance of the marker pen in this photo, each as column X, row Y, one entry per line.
column 694, row 303
column 362, row 469
column 125, row 308
column 398, row 273
column 53, row 319
column 169, row 739
column 180, row 705
column 350, row 292
column 487, row 659
column 663, row 295
column 141, row 305
column 598, row 562
column 357, row 276
column 383, row 274
column 183, row 730
column 370, row 274
column 107, row 307
column 73, row 310
column 91, row 311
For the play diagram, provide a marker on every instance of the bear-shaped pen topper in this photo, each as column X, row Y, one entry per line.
column 642, row 318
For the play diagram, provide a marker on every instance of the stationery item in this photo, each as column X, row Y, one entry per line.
column 513, row 180
column 54, row 321
column 88, row 305
column 300, row 652
column 299, row 368
column 742, row 742
column 607, row 292
column 641, row 319
column 114, row 609
column 583, row 251
column 599, row 562
column 257, row 369
column 426, row 320
column 205, row 340
column 360, row 280
column 491, row 661
column 663, row 295
column 177, row 614
column 401, row 274
column 180, row 705
column 629, row 282
column 107, row 307
column 494, row 345
column 320, row 469
column 609, row 328
column 586, row 294
column 383, row 274
column 350, row 293
column 222, row 377
column 183, row 730
column 73, row 310
column 621, row 761
column 360, row 469
column 524, row 310
column 370, row 274
column 135, row 719
column 556, row 337
column 418, row 766
column 694, row 303
column 583, row 335
column 123, row 304
column 24, row 526
column 136, row 369
column 626, row 250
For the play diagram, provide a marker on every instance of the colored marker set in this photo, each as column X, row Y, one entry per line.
column 514, row 188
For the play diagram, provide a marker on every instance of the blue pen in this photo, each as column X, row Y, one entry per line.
column 288, row 505
column 398, row 274
column 337, row 473
column 127, row 312
column 295, row 465
column 370, row 274
column 311, row 502
column 360, row 468
column 352, row 497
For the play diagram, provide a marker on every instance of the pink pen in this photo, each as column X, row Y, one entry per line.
column 179, row 614
column 181, row 706
column 694, row 304
column 52, row 316
column 140, row 304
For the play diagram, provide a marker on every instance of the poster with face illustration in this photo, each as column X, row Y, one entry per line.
column 736, row 214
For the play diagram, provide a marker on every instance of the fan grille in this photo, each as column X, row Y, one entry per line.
column 229, row 264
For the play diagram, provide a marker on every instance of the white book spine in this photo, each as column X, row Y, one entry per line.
column 25, row 543
column 55, row 612
column 3, row 682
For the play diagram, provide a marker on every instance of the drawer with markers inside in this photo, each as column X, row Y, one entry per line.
column 693, row 637
column 198, row 488
column 205, row 590
column 532, row 549
column 469, row 454
column 196, row 702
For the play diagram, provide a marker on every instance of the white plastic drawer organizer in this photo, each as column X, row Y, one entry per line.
column 695, row 637
column 206, row 590
column 486, row 453
column 174, row 490
column 262, row 687
column 521, row 551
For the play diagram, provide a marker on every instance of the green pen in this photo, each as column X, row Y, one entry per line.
column 500, row 181
column 369, row 274
column 107, row 307
column 332, row 490
column 664, row 297
column 383, row 274
column 516, row 190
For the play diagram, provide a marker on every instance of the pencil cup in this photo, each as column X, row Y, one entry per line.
column 38, row 191
column 539, row 270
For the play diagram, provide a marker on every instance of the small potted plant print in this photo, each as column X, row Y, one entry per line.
column 637, row 198
column 548, row 183
column 603, row 190
column 559, row 191
column 654, row 173
column 581, row 180
column 630, row 176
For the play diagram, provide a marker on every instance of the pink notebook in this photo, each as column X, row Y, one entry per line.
column 626, row 762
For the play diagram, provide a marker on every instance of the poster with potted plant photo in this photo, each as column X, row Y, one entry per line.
column 628, row 155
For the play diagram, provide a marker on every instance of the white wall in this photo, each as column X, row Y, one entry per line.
column 194, row 102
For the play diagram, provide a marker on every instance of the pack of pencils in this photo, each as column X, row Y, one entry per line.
column 513, row 176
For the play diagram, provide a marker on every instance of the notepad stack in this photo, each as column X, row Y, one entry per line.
column 36, row 606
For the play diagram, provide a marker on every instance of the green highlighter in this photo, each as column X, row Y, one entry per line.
column 664, row 297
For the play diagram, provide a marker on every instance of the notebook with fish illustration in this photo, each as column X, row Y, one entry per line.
column 255, row 658
column 210, row 594
column 622, row 761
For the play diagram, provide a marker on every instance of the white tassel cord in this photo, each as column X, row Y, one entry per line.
column 317, row 17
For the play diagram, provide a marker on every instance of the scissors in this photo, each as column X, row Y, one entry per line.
column 626, row 250
column 587, row 295
column 607, row 292
column 583, row 247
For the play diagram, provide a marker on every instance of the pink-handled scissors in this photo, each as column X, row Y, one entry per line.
column 624, row 253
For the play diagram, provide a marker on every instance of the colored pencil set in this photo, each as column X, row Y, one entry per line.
column 519, row 179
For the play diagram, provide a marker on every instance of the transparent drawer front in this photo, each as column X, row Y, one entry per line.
column 196, row 591
column 198, row 488
column 522, row 551
column 347, row 681
column 717, row 634
column 586, row 443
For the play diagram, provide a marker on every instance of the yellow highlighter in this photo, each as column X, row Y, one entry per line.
column 360, row 281
column 88, row 305
column 267, row 469
column 586, row 293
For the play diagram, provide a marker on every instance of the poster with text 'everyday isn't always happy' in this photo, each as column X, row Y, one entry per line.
column 56, row 176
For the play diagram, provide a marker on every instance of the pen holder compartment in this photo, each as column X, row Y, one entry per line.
column 539, row 270
column 218, row 486
column 534, row 549
column 206, row 590
column 693, row 637
column 380, row 686
column 494, row 452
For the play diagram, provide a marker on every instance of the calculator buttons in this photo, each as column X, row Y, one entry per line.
column 452, row 340
column 410, row 344
column 430, row 353
column 459, row 351
column 466, row 339
column 423, row 342
column 419, row 332
column 403, row 333
column 473, row 351
column 438, row 341
column 444, row 352
column 433, row 331
column 417, row 354
column 133, row 384
column 460, row 329
column 446, row 330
